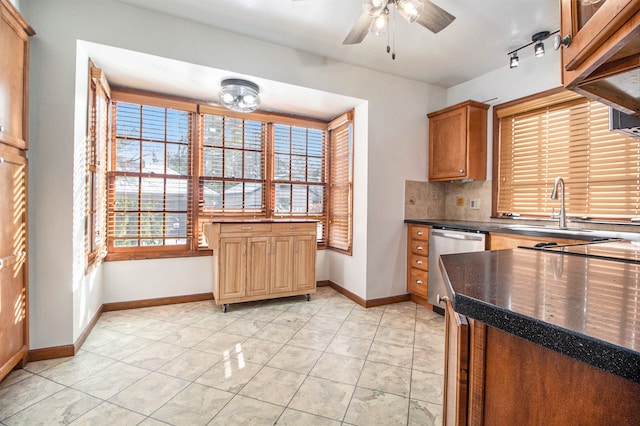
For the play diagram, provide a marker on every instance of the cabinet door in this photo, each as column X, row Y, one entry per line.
column 13, row 45
column 13, row 254
column 281, row 267
column 304, row 262
column 233, row 266
column 258, row 269
column 456, row 369
column 448, row 145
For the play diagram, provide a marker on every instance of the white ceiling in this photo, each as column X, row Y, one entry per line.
column 475, row 43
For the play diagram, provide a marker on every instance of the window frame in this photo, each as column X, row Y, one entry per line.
column 550, row 99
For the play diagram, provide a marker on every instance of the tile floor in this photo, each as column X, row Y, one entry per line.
column 286, row 362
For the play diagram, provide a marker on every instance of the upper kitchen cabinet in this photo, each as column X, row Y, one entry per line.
column 602, row 59
column 458, row 142
column 14, row 45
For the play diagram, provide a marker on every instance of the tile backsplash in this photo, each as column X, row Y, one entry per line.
column 448, row 200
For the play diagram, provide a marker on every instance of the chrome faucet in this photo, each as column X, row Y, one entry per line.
column 554, row 196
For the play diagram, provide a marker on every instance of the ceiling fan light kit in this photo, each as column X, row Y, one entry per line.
column 239, row 95
column 375, row 18
column 538, row 47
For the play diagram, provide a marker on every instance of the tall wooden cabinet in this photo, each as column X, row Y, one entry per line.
column 14, row 65
column 262, row 260
column 458, row 142
column 602, row 57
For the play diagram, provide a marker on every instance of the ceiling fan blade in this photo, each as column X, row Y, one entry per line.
column 359, row 30
column 434, row 18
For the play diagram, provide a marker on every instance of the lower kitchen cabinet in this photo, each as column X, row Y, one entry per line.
column 255, row 261
column 418, row 262
column 502, row 241
column 494, row 377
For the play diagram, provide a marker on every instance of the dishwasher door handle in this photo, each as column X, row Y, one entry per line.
column 453, row 236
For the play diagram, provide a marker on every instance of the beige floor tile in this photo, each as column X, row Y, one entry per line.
column 424, row 413
column 230, row 374
column 108, row 382
column 349, row 346
column 428, row 361
column 215, row 322
column 27, row 392
column 273, row 385
column 400, row 356
column 14, row 377
column 244, row 327
column 99, row 337
column 107, row 414
column 247, row 411
column 292, row 319
column 358, row 329
column 221, row 343
column 429, row 341
column 122, row 348
column 77, row 368
column 396, row 336
column 277, row 333
column 293, row 358
column 158, row 330
column 256, row 350
column 369, row 407
column 323, row 398
column 337, row 312
column 339, row 368
column 190, row 365
column 429, row 326
column 427, row 387
column 38, row 366
column 154, row 356
column 311, row 339
column 322, row 323
column 60, row 408
column 298, row 418
column 195, row 405
column 149, row 393
column 306, row 308
column 368, row 315
column 187, row 337
column 386, row 378
column 401, row 320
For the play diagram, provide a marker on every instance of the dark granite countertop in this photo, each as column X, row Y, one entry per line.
column 586, row 308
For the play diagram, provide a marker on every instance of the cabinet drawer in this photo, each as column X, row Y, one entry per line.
column 417, row 283
column 294, row 228
column 419, row 232
column 245, row 227
column 420, row 248
column 420, row 262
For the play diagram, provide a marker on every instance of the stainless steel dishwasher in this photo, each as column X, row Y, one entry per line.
column 445, row 241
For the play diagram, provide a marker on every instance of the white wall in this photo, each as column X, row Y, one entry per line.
column 395, row 150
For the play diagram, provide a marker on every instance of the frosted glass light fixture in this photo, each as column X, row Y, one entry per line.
column 239, row 95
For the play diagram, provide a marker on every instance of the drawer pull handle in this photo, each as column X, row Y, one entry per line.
column 419, row 282
column 419, row 262
column 419, row 233
column 419, row 248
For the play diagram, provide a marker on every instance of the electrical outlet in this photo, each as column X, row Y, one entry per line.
column 474, row 204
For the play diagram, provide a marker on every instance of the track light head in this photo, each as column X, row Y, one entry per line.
column 513, row 60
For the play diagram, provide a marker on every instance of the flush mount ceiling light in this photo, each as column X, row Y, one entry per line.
column 239, row 95
column 538, row 48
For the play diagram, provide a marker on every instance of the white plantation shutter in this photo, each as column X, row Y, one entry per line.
column 568, row 136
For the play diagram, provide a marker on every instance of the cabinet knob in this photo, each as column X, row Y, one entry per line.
column 461, row 170
column 559, row 42
column 441, row 299
column 419, row 233
column 419, row 248
column 419, row 262
column 1, row 128
column 419, row 282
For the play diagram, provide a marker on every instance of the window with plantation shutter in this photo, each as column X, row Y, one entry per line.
column 150, row 179
column 341, row 178
column 563, row 134
column 298, row 182
column 96, row 183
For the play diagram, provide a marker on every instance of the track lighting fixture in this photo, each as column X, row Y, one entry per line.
column 538, row 47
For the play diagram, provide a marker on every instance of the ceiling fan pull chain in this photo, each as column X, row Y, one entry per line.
column 393, row 38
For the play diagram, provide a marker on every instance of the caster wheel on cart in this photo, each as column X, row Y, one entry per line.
column 308, row 297
column 225, row 307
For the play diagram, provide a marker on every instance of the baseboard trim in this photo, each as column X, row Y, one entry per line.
column 51, row 352
column 421, row 301
column 146, row 303
column 87, row 330
column 366, row 303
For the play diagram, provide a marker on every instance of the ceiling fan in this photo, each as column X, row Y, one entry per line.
column 375, row 18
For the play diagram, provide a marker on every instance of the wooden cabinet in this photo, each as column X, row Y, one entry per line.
column 458, row 142
column 602, row 60
column 418, row 261
column 485, row 367
column 499, row 241
column 14, row 294
column 254, row 261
